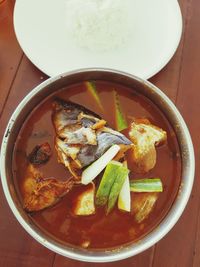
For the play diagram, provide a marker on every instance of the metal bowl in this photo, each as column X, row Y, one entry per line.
column 143, row 87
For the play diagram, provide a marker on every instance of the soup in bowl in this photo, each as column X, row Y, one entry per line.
column 97, row 165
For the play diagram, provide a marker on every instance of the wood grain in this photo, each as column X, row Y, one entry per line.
column 179, row 248
column 17, row 248
column 168, row 78
column 11, row 53
column 137, row 261
column 27, row 78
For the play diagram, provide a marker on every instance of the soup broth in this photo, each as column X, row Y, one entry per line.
column 98, row 230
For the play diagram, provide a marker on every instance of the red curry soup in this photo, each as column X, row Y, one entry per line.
column 97, row 165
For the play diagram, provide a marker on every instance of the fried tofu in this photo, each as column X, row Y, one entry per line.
column 145, row 137
column 142, row 205
column 84, row 203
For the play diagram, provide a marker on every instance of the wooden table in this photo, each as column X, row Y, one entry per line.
column 180, row 80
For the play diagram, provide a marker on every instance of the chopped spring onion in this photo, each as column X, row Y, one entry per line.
column 120, row 119
column 116, row 188
column 107, row 182
column 96, row 167
column 124, row 199
column 93, row 90
column 146, row 185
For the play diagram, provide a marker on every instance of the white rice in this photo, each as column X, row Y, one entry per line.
column 99, row 25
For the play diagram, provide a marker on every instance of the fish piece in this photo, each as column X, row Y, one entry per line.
column 82, row 136
column 66, row 113
column 68, row 150
column 145, row 137
column 40, row 154
column 67, row 155
column 99, row 124
column 40, row 193
column 105, row 140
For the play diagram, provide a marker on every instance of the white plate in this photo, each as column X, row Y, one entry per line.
column 41, row 31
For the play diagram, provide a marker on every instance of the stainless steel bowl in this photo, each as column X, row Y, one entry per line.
column 144, row 87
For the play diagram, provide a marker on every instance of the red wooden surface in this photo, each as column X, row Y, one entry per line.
column 180, row 80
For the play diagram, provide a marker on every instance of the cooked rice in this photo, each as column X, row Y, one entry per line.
column 99, row 25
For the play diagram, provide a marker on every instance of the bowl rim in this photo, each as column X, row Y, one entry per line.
column 151, row 238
